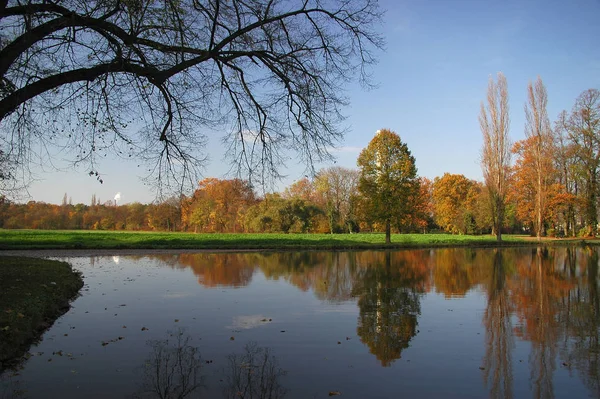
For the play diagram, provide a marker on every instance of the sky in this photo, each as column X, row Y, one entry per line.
column 431, row 80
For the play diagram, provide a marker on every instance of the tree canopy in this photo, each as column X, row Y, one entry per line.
column 388, row 179
column 151, row 79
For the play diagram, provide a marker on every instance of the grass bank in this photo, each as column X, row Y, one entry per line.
column 51, row 239
column 33, row 293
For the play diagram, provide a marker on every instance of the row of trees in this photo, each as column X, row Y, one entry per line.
column 552, row 188
column 553, row 183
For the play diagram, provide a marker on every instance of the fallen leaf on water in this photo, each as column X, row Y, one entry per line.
column 232, row 338
column 144, row 329
column 176, row 320
column 481, row 368
column 334, row 393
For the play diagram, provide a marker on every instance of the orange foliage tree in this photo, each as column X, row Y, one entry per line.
column 218, row 205
column 453, row 203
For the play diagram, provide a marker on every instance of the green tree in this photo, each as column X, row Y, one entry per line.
column 388, row 180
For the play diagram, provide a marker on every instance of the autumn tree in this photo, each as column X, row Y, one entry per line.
column 218, row 205
column 145, row 79
column 453, row 197
column 583, row 127
column 302, row 189
column 388, row 180
column 421, row 219
column 495, row 155
column 540, row 146
column 164, row 215
column 335, row 188
column 566, row 159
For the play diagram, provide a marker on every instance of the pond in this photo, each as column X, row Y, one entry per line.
column 516, row 322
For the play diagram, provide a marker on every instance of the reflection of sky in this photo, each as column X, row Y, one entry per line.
column 176, row 295
column 116, row 259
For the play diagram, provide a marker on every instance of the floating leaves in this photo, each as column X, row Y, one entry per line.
column 104, row 343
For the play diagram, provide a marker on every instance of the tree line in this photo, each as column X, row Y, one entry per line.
column 551, row 189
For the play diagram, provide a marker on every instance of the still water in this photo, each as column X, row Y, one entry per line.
column 460, row 323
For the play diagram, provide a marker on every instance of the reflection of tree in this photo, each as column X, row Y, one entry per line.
column 499, row 338
column 173, row 371
column 389, row 305
column 583, row 350
column 220, row 269
column 456, row 271
column 538, row 296
column 254, row 375
column 331, row 275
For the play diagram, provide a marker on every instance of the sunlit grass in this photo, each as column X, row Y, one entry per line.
column 47, row 239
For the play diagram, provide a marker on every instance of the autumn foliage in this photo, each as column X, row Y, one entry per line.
column 551, row 190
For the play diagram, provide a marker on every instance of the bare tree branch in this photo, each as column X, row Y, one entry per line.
column 155, row 77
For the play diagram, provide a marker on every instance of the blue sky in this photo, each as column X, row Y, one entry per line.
column 432, row 78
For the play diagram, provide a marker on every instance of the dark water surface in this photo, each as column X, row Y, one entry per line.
column 417, row 323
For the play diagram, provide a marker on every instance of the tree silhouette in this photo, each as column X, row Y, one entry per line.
column 148, row 79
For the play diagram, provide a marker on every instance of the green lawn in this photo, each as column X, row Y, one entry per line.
column 33, row 293
column 46, row 239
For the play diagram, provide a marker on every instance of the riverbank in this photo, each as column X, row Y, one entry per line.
column 33, row 294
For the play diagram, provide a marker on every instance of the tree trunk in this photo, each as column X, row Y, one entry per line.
column 388, row 232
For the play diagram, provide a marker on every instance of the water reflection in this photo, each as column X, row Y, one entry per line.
column 174, row 369
column 254, row 374
column 547, row 297
column 499, row 341
column 389, row 305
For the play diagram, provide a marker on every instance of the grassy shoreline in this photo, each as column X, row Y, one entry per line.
column 53, row 239
column 33, row 294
